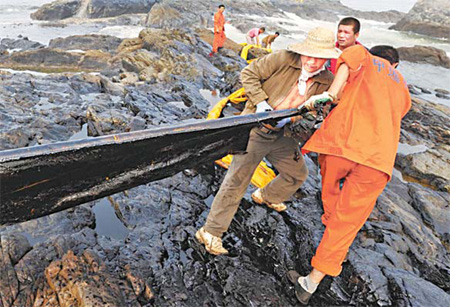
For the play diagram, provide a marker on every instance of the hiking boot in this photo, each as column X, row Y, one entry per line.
column 212, row 243
column 257, row 198
column 302, row 295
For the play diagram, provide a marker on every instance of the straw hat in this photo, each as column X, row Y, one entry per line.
column 318, row 44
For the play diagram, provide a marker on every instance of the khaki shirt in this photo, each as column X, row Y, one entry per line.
column 269, row 39
column 271, row 78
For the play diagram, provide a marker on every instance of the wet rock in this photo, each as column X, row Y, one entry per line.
column 82, row 281
column 62, row 9
column 430, row 167
column 414, row 89
column 105, row 43
column 55, row 60
column 442, row 91
column 19, row 44
column 424, row 54
column 110, row 8
column 443, row 96
column 57, row 10
column 427, row 17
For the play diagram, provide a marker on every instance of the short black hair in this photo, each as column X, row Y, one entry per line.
column 278, row 33
column 262, row 28
column 221, row 6
column 386, row 52
column 351, row 21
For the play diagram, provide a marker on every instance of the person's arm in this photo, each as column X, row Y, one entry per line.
column 339, row 80
column 257, row 41
column 257, row 72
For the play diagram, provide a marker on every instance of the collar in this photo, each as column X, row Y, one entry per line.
column 323, row 77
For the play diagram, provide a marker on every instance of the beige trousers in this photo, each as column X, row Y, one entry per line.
column 282, row 152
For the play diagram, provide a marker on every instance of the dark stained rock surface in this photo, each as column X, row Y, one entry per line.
column 424, row 54
column 18, row 44
column 57, row 10
column 427, row 17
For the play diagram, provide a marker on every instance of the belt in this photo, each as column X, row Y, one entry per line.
column 267, row 130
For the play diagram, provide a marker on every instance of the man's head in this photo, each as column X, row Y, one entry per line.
column 262, row 30
column 348, row 32
column 316, row 49
column 221, row 7
column 277, row 34
column 386, row 52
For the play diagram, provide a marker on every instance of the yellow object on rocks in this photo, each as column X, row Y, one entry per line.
column 263, row 174
column 247, row 47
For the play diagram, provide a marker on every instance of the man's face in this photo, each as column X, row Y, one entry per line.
column 346, row 37
column 222, row 9
column 311, row 64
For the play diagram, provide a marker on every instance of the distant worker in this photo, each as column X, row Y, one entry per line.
column 281, row 80
column 268, row 40
column 357, row 143
column 253, row 35
column 219, row 30
column 347, row 35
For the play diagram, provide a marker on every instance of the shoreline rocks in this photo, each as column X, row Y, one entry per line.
column 424, row 54
column 427, row 17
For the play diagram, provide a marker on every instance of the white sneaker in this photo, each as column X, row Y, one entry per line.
column 212, row 243
column 257, row 198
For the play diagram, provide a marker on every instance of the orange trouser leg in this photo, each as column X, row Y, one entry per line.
column 219, row 40
column 348, row 211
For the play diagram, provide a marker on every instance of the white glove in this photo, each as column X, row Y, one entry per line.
column 310, row 104
column 263, row 106
column 281, row 123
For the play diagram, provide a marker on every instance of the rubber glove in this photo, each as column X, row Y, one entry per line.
column 310, row 104
column 263, row 106
column 281, row 123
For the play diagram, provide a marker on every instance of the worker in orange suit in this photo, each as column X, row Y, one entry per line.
column 356, row 143
column 219, row 30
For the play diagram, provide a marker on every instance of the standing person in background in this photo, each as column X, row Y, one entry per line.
column 347, row 35
column 357, row 143
column 219, row 30
column 253, row 35
column 269, row 39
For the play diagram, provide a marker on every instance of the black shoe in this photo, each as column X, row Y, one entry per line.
column 302, row 295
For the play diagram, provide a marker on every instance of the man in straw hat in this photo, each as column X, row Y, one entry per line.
column 281, row 80
column 358, row 143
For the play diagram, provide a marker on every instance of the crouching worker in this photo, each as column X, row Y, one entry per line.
column 357, row 142
column 281, row 80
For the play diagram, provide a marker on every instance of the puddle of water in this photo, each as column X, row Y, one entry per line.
column 406, row 149
column 106, row 221
column 212, row 96
column 82, row 134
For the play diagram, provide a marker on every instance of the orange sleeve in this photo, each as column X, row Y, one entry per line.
column 354, row 57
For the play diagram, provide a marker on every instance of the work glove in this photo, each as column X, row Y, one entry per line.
column 263, row 106
column 315, row 100
column 281, row 123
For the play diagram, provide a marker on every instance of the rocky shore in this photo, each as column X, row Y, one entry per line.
column 427, row 17
column 107, row 85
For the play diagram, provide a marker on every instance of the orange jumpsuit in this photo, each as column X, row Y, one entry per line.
column 219, row 31
column 357, row 142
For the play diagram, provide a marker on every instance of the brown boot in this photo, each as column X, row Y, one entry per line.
column 257, row 198
column 212, row 243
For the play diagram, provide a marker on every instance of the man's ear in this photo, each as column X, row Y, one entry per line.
column 357, row 35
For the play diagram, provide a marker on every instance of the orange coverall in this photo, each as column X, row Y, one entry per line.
column 219, row 31
column 357, row 142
